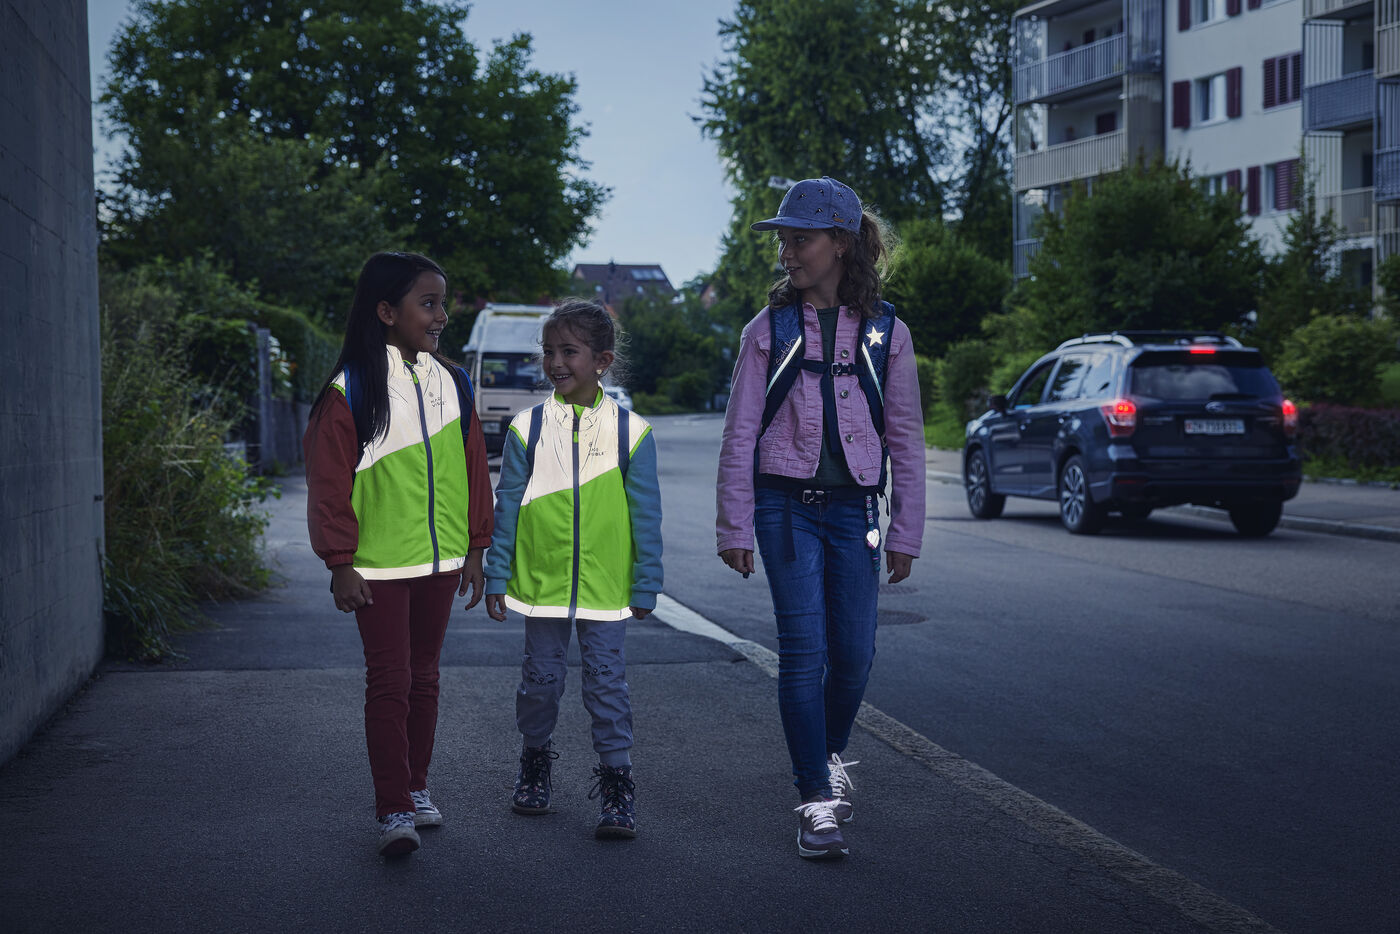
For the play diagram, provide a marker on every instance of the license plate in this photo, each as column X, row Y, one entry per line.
column 491, row 427
column 1215, row 426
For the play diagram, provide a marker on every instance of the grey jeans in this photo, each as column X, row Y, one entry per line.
column 605, row 691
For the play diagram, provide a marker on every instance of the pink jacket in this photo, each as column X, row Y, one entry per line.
column 792, row 445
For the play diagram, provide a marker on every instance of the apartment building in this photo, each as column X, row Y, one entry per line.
column 1351, row 122
column 1221, row 85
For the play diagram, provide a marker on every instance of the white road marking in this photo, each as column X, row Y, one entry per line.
column 1194, row 901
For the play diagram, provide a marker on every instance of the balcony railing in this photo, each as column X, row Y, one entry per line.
column 1022, row 252
column 1085, row 158
column 1342, row 102
column 1066, row 71
column 1350, row 210
column 1337, row 9
column 1387, row 165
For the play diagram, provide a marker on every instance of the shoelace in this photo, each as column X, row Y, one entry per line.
column 614, row 786
column 421, row 801
column 397, row 819
column 822, row 814
column 840, row 781
column 534, row 766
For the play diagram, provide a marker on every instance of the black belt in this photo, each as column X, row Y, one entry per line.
column 804, row 492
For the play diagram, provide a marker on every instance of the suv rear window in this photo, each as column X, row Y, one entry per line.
column 1180, row 375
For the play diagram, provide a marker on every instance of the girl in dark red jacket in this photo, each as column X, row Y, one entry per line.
column 399, row 507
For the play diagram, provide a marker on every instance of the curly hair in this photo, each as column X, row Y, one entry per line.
column 867, row 260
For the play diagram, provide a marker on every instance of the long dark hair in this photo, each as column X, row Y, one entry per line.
column 386, row 277
column 866, row 255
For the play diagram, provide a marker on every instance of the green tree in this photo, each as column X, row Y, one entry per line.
column 1150, row 248
column 673, row 351
column 475, row 157
column 942, row 286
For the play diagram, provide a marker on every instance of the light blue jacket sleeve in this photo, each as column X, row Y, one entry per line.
column 644, row 507
column 510, row 490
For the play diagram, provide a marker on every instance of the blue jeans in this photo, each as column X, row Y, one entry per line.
column 825, row 602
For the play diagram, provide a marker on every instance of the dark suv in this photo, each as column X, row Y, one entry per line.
column 1129, row 421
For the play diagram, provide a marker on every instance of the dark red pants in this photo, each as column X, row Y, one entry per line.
column 402, row 634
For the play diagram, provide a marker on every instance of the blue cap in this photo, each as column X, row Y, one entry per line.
column 816, row 203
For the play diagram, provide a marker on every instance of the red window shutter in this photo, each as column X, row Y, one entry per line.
column 1296, row 89
column 1181, row 104
column 1254, row 4
column 1234, row 78
column 1270, row 91
column 1183, row 15
column 1232, row 180
column 1251, row 192
column 1285, row 176
column 1232, row 7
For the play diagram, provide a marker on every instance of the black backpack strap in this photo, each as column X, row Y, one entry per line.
column 624, row 445
column 536, row 424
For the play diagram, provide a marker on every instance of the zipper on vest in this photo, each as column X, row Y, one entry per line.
column 573, row 591
column 428, row 449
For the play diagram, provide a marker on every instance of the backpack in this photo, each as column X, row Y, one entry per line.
column 624, row 453
column 466, row 397
column 785, row 361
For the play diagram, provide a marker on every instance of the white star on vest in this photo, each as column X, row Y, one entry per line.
column 873, row 337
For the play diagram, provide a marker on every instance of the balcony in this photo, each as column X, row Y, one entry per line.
column 1350, row 210
column 1069, row 71
column 1387, row 50
column 1335, row 9
column 1340, row 103
column 1022, row 252
column 1066, row 162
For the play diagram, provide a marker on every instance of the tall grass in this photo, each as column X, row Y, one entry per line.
column 181, row 522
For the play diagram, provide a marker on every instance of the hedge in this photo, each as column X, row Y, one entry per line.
column 1362, row 437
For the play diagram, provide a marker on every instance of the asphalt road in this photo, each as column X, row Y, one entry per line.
column 1226, row 707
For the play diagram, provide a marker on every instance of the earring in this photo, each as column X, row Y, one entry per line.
column 599, row 372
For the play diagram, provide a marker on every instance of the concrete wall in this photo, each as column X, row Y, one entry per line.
column 50, row 388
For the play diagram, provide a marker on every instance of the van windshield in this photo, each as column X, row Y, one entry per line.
column 510, row 371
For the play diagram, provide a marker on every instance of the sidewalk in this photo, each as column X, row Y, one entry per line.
column 1331, row 506
column 230, row 792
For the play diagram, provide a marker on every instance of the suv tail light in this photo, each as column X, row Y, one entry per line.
column 1290, row 419
column 1121, row 415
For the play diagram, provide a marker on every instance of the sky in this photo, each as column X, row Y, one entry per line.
column 639, row 65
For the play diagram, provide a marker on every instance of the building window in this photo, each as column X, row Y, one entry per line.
column 1282, row 184
column 1216, row 184
column 1208, row 11
column 1283, row 79
column 1106, row 122
column 1210, row 99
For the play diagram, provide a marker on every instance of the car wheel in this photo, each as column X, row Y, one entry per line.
column 1078, row 511
column 1255, row 520
column 1135, row 513
column 981, row 501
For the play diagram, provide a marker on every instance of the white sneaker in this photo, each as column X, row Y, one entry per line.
column 396, row 834
column 425, row 813
column 841, row 787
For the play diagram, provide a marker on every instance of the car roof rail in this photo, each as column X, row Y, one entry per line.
column 1180, row 337
column 1114, row 338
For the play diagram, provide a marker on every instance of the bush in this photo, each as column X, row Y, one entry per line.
column 1336, row 359
column 962, row 378
column 928, row 382
column 1367, row 438
column 180, row 522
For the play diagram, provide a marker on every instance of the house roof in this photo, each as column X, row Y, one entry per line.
column 610, row 283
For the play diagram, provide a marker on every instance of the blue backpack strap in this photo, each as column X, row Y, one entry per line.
column 784, row 359
column 354, row 394
column 874, row 358
column 466, row 398
column 536, row 424
column 624, row 447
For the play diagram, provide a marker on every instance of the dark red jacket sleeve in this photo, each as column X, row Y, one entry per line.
column 481, row 520
column 331, row 454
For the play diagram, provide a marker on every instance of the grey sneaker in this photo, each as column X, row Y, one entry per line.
column 818, row 834
column 396, row 834
column 841, row 787
column 425, row 813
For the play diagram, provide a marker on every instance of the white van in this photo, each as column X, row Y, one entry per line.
column 502, row 356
